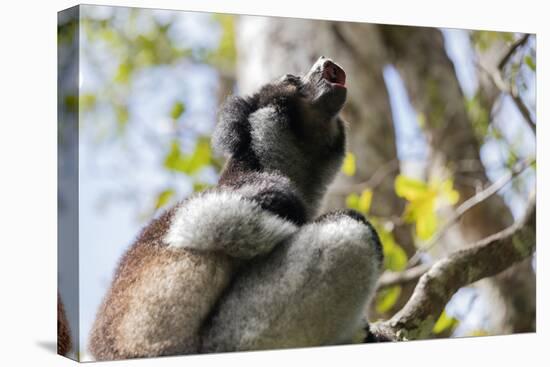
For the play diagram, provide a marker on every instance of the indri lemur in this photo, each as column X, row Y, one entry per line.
column 247, row 265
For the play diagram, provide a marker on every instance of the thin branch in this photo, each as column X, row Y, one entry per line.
column 391, row 278
column 522, row 107
column 520, row 42
column 485, row 258
column 470, row 203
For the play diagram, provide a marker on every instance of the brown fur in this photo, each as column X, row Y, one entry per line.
column 64, row 344
column 152, row 279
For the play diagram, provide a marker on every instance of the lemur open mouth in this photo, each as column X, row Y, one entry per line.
column 334, row 74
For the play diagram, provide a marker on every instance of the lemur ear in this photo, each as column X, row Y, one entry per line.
column 232, row 133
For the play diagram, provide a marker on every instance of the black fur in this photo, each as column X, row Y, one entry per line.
column 233, row 137
column 283, row 203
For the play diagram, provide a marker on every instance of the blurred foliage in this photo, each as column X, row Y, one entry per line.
column 138, row 41
column 478, row 332
column 177, row 110
column 361, row 203
column 348, row 167
column 485, row 39
column 479, row 115
column 225, row 56
column 445, row 323
column 164, row 197
column 423, row 199
column 189, row 164
column 386, row 299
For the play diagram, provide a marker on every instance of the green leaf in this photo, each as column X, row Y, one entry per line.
column 164, row 197
column 200, row 186
column 426, row 223
column 530, row 62
column 410, row 188
column 123, row 72
column 348, row 167
column 361, row 203
column 449, row 194
column 122, row 116
column 87, row 101
column 365, row 201
column 444, row 322
column 352, row 201
column 225, row 56
column 177, row 110
column 189, row 163
column 423, row 197
column 386, row 298
column 395, row 258
column 478, row 332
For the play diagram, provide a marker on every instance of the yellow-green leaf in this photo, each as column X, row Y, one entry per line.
column 352, row 201
column 123, row 72
column 349, row 164
column 426, row 226
column 192, row 163
column 199, row 186
column 529, row 61
column 395, row 258
column 164, row 197
column 365, row 200
column 386, row 298
column 87, row 101
column 410, row 188
column 444, row 322
column 449, row 193
column 361, row 203
column 177, row 109
column 478, row 332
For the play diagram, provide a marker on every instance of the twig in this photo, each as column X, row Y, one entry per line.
column 524, row 111
column 470, row 203
column 485, row 258
column 520, row 42
column 391, row 278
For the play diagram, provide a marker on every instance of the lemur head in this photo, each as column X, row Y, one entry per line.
column 290, row 125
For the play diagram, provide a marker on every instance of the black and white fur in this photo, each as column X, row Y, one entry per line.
column 246, row 265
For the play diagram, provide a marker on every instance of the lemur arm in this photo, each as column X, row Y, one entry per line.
column 240, row 225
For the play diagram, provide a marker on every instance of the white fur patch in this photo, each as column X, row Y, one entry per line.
column 227, row 222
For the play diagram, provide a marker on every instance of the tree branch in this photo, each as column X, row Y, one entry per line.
column 485, row 258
